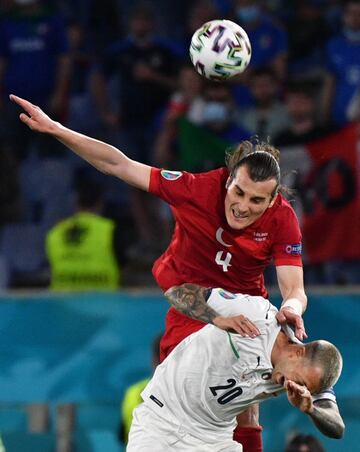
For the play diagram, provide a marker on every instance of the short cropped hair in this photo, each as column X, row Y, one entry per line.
column 327, row 357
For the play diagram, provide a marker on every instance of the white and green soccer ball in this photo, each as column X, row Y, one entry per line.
column 220, row 49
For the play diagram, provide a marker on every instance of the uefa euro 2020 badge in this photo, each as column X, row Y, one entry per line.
column 171, row 175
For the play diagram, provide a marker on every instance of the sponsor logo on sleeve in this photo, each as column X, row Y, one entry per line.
column 171, row 175
column 293, row 249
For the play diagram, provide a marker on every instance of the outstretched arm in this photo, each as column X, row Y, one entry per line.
column 190, row 299
column 324, row 412
column 104, row 157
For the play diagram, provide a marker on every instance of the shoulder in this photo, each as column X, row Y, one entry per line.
column 282, row 208
column 217, row 175
column 60, row 226
column 211, row 185
column 282, row 218
column 337, row 42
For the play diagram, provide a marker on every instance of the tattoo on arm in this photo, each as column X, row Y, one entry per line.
column 327, row 418
column 190, row 299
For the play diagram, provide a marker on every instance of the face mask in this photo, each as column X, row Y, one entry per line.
column 352, row 35
column 215, row 112
column 248, row 14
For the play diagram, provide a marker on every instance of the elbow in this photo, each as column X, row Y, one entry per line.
column 339, row 431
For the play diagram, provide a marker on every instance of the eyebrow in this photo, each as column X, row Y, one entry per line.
column 260, row 198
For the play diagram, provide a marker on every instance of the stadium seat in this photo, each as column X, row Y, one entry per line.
column 22, row 247
column 45, row 182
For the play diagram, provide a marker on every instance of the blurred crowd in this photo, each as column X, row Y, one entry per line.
column 119, row 70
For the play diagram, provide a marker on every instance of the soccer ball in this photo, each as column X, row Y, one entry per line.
column 220, row 49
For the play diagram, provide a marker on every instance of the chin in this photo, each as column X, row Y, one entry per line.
column 238, row 224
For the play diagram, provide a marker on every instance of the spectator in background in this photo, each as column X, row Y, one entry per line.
column 220, row 112
column 34, row 61
column 202, row 146
column 9, row 187
column 202, row 11
column 268, row 41
column 82, row 115
column 308, row 32
column 100, row 18
column 186, row 102
column 144, row 68
column 84, row 250
column 342, row 81
column 301, row 104
column 268, row 117
column 132, row 397
column 304, row 443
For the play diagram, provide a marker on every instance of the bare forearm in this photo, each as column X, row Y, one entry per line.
column 99, row 154
column 327, row 419
column 190, row 299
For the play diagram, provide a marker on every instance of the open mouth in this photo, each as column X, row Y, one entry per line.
column 238, row 215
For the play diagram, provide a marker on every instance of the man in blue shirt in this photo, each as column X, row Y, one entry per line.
column 33, row 61
column 343, row 63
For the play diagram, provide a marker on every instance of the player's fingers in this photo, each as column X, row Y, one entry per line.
column 25, row 119
column 25, row 104
column 280, row 317
column 247, row 327
column 239, row 329
column 299, row 328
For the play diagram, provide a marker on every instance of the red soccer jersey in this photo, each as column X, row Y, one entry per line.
column 204, row 249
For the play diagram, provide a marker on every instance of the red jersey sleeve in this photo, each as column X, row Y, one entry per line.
column 287, row 246
column 174, row 187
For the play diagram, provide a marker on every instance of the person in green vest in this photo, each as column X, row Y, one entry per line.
column 81, row 249
column 132, row 397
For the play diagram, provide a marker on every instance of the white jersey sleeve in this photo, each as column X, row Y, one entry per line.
column 229, row 304
column 327, row 394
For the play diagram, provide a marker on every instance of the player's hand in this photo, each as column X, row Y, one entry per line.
column 299, row 396
column 237, row 324
column 288, row 315
column 34, row 117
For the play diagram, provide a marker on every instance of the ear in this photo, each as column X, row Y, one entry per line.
column 296, row 351
column 272, row 202
column 300, row 352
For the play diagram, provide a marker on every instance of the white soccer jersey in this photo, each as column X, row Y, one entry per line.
column 212, row 375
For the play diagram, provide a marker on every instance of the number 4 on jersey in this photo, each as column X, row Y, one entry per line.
column 225, row 263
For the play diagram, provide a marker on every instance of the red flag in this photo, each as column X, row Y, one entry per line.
column 331, row 197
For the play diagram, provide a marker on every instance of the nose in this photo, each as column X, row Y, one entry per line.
column 242, row 206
